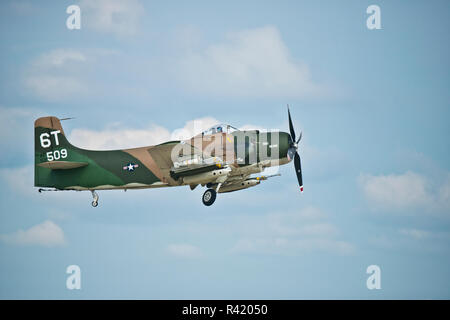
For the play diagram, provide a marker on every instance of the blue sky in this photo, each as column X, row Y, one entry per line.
column 373, row 106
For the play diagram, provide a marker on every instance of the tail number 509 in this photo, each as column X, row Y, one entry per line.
column 56, row 155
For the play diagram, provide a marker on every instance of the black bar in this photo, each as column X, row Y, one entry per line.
column 224, row 309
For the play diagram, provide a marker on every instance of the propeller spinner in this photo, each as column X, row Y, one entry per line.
column 292, row 152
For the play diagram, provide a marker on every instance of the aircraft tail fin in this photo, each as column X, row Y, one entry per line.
column 52, row 150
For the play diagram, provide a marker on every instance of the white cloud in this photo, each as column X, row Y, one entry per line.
column 307, row 222
column 53, row 87
column 59, row 58
column 406, row 191
column 324, row 163
column 112, row 16
column 46, row 234
column 413, row 240
column 253, row 62
column 19, row 179
column 444, row 193
column 63, row 74
column 184, row 250
column 116, row 137
column 292, row 246
column 16, row 128
column 254, row 127
column 55, row 75
column 415, row 233
column 193, row 127
column 398, row 191
column 290, row 233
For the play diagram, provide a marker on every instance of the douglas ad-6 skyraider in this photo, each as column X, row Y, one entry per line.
column 222, row 159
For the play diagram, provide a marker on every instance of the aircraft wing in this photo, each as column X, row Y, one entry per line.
column 195, row 163
column 197, row 167
column 192, row 170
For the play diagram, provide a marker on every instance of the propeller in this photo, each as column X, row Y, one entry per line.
column 292, row 152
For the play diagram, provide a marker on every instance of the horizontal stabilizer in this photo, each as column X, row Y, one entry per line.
column 62, row 165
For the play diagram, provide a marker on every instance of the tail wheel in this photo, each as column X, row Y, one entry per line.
column 209, row 197
column 95, row 198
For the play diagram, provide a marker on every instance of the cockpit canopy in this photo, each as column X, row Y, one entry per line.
column 219, row 128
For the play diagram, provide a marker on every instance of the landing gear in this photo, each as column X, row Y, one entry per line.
column 95, row 196
column 209, row 197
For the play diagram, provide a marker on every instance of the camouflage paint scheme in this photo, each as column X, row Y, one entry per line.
column 73, row 168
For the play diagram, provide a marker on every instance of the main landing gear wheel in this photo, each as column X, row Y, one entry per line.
column 209, row 197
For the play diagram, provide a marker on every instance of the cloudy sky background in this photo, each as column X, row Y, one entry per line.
column 373, row 107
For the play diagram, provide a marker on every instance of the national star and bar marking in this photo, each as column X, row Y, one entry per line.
column 130, row 167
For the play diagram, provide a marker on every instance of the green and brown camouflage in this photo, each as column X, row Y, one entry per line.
column 225, row 158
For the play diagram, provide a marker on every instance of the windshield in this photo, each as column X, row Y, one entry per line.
column 220, row 128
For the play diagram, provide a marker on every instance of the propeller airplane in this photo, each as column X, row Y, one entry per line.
column 222, row 159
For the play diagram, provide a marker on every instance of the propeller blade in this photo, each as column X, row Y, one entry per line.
column 291, row 127
column 298, row 171
column 300, row 137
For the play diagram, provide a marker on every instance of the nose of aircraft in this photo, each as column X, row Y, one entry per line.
column 285, row 142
